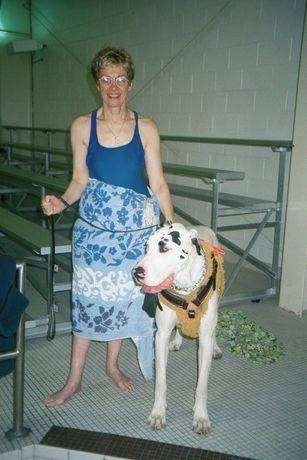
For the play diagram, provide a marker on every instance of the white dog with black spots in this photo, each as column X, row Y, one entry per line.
column 173, row 260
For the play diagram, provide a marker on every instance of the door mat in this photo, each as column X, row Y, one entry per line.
column 126, row 447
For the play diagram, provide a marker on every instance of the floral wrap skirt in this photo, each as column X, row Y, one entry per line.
column 108, row 240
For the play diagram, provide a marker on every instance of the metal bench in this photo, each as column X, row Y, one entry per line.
column 25, row 178
column 16, row 180
column 222, row 204
column 227, row 204
column 46, row 160
column 23, row 159
column 210, row 175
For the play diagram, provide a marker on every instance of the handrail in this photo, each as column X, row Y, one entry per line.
column 37, row 148
column 18, row 354
column 29, row 128
column 229, row 141
column 203, row 173
column 198, row 139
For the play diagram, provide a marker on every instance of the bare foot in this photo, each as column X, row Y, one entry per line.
column 61, row 397
column 121, row 381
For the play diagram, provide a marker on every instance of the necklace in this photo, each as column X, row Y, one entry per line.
column 115, row 135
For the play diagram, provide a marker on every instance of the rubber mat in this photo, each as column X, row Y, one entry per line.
column 126, row 447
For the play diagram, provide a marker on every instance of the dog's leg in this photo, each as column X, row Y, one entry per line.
column 176, row 343
column 166, row 321
column 201, row 422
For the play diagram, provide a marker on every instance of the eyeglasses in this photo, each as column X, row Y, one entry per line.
column 120, row 81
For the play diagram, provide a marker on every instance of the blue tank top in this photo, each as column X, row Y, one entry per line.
column 123, row 166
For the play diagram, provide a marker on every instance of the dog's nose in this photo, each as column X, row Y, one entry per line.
column 138, row 273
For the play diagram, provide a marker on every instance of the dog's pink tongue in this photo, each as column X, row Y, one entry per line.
column 159, row 287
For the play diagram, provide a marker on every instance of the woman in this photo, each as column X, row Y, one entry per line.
column 112, row 148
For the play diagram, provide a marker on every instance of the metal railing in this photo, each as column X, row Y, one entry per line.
column 173, row 138
column 278, row 146
column 18, row 430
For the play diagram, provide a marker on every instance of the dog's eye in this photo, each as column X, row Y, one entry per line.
column 163, row 249
column 162, row 246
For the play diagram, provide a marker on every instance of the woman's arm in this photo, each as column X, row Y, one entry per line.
column 151, row 142
column 79, row 132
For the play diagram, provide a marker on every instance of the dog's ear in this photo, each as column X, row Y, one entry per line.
column 196, row 244
column 194, row 235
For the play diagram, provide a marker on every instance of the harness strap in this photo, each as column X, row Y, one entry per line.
column 173, row 298
column 203, row 291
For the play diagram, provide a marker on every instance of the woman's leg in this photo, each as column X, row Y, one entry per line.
column 121, row 381
column 72, row 386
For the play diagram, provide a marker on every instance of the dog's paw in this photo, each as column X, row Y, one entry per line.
column 157, row 421
column 202, row 426
column 217, row 352
column 176, row 343
column 174, row 346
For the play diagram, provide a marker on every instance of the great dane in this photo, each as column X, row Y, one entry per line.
column 184, row 268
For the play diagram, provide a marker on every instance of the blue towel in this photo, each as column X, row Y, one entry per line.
column 108, row 239
column 12, row 306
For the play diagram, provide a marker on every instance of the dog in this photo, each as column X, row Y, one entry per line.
column 186, row 273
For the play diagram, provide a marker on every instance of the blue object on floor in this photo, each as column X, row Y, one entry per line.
column 12, row 305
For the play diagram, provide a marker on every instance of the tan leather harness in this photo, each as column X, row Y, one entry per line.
column 213, row 280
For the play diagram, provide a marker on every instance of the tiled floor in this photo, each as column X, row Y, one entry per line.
column 257, row 411
column 38, row 452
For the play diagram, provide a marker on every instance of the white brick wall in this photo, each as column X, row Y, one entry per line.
column 15, row 87
column 236, row 79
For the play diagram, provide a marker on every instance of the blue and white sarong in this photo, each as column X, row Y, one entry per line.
column 108, row 240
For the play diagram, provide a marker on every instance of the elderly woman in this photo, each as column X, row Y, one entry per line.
column 113, row 149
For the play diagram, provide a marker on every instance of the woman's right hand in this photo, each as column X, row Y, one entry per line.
column 52, row 205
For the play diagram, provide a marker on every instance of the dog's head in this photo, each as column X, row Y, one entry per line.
column 168, row 251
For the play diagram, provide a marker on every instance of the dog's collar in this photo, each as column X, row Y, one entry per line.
column 197, row 297
column 185, row 290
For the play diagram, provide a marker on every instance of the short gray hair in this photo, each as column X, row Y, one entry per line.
column 112, row 55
